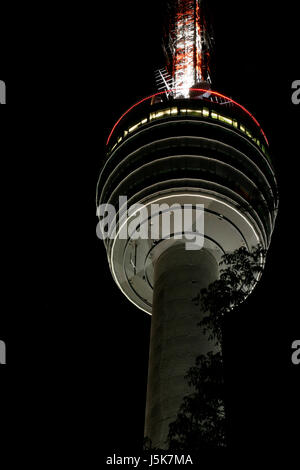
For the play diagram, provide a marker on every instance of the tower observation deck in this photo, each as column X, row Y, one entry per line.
column 185, row 146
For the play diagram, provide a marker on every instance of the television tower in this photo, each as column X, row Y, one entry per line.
column 184, row 146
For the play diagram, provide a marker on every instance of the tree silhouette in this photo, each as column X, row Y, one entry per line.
column 200, row 423
column 239, row 273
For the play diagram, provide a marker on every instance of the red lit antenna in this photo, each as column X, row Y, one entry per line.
column 188, row 47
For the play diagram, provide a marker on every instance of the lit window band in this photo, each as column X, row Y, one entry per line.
column 214, row 93
column 192, row 112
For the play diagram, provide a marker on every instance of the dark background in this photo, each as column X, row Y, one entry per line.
column 75, row 345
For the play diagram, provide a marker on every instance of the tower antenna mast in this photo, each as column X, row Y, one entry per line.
column 188, row 47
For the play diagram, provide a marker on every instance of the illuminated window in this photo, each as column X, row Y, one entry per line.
column 205, row 112
column 194, row 112
column 131, row 129
column 242, row 128
column 214, row 115
column 164, row 112
column 225, row 119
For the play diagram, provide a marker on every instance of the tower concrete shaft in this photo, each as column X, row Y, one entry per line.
column 176, row 339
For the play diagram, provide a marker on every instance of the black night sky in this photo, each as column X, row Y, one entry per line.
column 256, row 62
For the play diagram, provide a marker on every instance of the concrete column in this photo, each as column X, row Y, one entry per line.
column 175, row 340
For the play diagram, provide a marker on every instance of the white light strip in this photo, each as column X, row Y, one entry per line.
column 177, row 156
column 159, row 199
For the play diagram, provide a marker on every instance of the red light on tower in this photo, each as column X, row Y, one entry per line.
column 189, row 47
